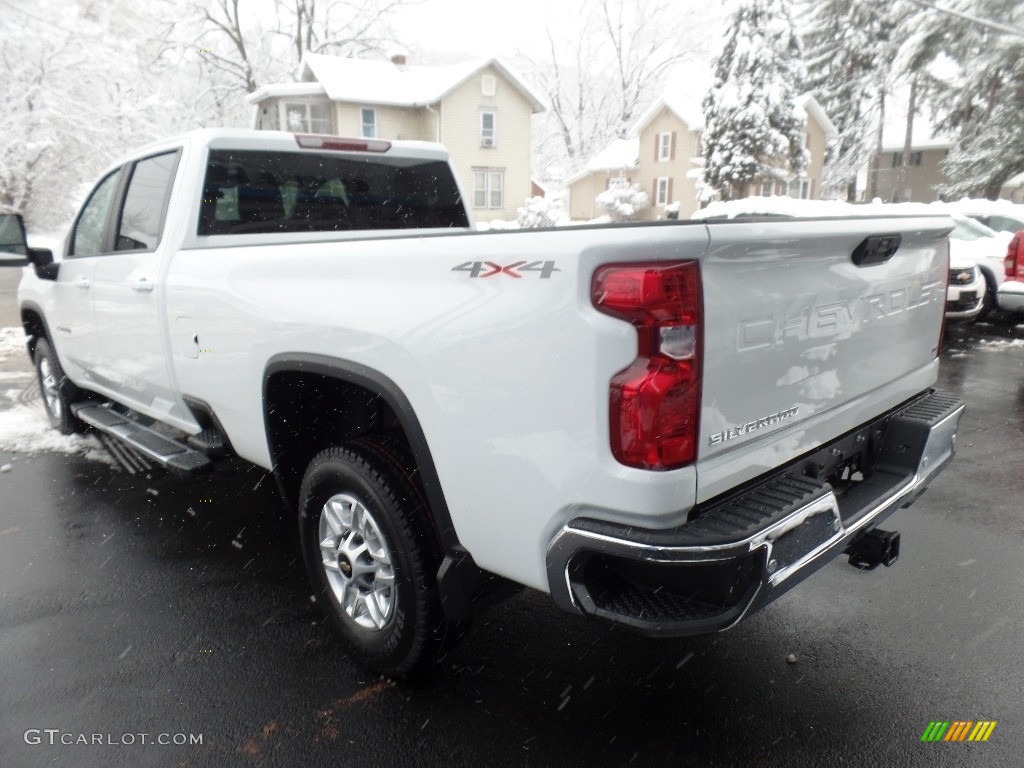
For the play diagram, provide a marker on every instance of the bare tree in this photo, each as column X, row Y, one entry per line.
column 609, row 65
column 644, row 39
column 223, row 21
column 237, row 46
column 346, row 27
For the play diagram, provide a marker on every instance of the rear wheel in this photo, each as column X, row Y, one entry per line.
column 54, row 387
column 372, row 556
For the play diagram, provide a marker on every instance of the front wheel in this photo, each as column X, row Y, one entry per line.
column 54, row 387
column 372, row 556
column 988, row 302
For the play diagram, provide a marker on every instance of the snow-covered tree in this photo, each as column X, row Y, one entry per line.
column 623, row 201
column 753, row 129
column 982, row 105
column 844, row 42
column 539, row 212
column 82, row 83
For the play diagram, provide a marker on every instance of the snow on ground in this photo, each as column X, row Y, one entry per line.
column 996, row 345
column 24, row 427
column 12, row 342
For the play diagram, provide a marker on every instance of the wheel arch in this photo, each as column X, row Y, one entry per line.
column 33, row 321
column 356, row 378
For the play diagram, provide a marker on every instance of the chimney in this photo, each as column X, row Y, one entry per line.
column 398, row 60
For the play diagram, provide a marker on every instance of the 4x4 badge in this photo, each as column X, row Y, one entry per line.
column 477, row 268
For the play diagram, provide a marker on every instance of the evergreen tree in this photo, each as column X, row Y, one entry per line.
column 845, row 42
column 753, row 129
column 983, row 105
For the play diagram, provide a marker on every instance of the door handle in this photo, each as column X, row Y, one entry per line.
column 82, row 282
column 142, row 285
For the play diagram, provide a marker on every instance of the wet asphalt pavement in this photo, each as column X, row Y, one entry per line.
column 132, row 605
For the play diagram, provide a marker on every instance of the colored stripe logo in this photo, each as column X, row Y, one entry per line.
column 959, row 730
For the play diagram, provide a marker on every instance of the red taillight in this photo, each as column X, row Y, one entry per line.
column 1013, row 265
column 316, row 141
column 655, row 402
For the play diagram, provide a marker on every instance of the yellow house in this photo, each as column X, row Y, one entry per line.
column 668, row 160
column 481, row 111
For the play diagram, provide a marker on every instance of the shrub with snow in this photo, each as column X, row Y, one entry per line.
column 539, row 212
column 623, row 201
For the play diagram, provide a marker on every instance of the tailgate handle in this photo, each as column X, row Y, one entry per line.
column 876, row 249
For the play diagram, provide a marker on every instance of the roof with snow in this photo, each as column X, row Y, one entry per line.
column 620, row 155
column 690, row 109
column 813, row 108
column 285, row 89
column 369, row 81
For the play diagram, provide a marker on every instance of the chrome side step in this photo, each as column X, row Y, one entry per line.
column 150, row 444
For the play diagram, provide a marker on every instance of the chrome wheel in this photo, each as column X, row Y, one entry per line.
column 49, row 386
column 357, row 561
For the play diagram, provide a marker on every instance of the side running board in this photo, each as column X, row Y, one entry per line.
column 154, row 446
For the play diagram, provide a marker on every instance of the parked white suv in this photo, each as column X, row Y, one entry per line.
column 965, row 295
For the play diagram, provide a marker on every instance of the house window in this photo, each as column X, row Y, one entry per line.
column 916, row 158
column 305, row 117
column 368, row 121
column 784, row 189
column 488, row 129
column 267, row 118
column 665, row 146
column 766, row 188
column 489, row 188
column 802, row 189
column 661, row 191
column 488, row 85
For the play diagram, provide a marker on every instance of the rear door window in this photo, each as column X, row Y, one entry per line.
column 145, row 203
column 247, row 192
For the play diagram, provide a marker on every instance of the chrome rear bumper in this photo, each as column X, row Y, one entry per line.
column 738, row 554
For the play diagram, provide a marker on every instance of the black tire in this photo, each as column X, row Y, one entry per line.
column 55, row 388
column 988, row 301
column 372, row 471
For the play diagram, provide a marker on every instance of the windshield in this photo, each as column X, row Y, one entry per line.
column 969, row 229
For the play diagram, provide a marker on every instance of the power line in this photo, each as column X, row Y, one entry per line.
column 1016, row 31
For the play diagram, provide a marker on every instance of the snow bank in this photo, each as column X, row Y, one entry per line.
column 997, row 345
column 981, row 207
column 496, row 224
column 12, row 344
column 789, row 206
column 25, row 429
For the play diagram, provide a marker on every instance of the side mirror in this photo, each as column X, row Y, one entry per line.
column 42, row 260
column 13, row 248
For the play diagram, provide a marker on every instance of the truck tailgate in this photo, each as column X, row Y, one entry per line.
column 802, row 344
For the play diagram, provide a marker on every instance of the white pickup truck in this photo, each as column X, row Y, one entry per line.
column 662, row 425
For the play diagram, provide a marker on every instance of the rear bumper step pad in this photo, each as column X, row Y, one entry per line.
column 748, row 549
